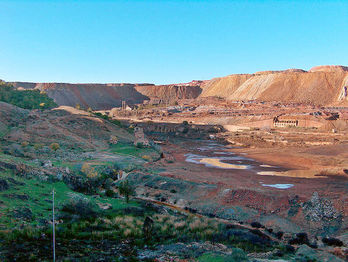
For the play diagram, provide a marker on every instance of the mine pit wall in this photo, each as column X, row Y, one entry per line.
column 107, row 96
column 169, row 93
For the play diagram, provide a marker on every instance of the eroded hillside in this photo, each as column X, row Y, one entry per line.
column 107, row 96
column 323, row 85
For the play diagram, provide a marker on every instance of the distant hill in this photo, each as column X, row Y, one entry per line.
column 322, row 85
column 96, row 96
column 107, row 96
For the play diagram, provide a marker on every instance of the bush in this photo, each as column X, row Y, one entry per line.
column 38, row 146
column 300, row 239
column 24, row 144
column 109, row 193
column 147, row 158
column 331, row 241
column 81, row 206
column 54, row 146
column 256, row 225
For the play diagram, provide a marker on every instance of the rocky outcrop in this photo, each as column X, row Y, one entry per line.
column 323, row 85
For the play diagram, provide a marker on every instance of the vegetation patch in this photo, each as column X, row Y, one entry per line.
column 28, row 99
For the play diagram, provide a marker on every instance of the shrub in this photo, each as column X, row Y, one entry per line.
column 113, row 140
column 24, row 144
column 89, row 171
column 301, row 238
column 54, row 146
column 109, row 193
column 38, row 146
column 80, row 205
column 147, row 158
column 256, row 225
column 331, row 241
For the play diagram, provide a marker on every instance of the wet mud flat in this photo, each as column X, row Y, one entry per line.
column 245, row 189
column 215, row 155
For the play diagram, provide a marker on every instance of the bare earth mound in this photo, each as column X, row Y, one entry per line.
column 323, row 85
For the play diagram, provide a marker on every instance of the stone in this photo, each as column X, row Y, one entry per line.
column 47, row 163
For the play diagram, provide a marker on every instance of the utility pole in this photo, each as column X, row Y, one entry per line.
column 54, row 229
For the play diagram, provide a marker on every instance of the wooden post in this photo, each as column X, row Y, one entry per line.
column 54, row 229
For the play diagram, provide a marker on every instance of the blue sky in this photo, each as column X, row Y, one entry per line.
column 166, row 41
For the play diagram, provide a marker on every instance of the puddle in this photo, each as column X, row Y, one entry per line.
column 215, row 155
column 279, row 186
column 266, row 166
column 217, row 163
column 223, row 153
column 214, row 161
column 269, row 173
column 295, row 173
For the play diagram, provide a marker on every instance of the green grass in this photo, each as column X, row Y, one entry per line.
column 39, row 202
column 237, row 256
column 131, row 150
column 209, row 257
column 39, row 193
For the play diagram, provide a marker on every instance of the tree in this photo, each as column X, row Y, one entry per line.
column 126, row 189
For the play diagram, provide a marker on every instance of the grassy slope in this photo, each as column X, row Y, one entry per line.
column 40, row 196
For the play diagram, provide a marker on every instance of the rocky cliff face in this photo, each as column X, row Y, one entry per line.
column 323, row 85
